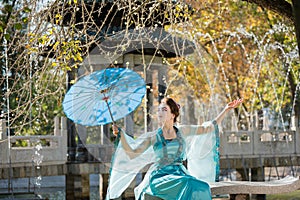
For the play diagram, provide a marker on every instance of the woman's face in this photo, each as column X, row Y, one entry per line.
column 164, row 114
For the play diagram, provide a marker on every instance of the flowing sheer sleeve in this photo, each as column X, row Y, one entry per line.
column 203, row 152
column 123, row 169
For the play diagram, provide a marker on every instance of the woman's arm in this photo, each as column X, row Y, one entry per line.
column 220, row 117
column 228, row 107
column 132, row 153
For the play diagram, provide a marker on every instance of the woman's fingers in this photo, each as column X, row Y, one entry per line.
column 115, row 129
column 239, row 101
column 235, row 103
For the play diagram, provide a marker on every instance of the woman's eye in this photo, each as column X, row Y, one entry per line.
column 162, row 109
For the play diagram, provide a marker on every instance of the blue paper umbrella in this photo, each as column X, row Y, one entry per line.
column 104, row 96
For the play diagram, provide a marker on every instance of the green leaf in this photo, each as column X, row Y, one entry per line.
column 7, row 36
column 25, row 19
column 8, row 8
column 18, row 26
column 27, row 10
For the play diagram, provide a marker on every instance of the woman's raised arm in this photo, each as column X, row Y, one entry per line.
column 220, row 117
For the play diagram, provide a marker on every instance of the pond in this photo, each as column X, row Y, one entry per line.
column 51, row 188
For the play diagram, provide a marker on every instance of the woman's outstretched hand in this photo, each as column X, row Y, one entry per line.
column 229, row 106
column 234, row 104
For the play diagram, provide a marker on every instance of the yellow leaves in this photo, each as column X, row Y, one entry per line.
column 44, row 39
column 178, row 7
column 72, row 1
column 78, row 57
column 58, row 18
column 166, row 15
column 55, row 45
column 68, row 54
column 178, row 11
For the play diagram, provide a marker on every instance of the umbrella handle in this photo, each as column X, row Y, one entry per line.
column 110, row 113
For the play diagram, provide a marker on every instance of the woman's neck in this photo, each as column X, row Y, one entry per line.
column 167, row 126
column 169, row 131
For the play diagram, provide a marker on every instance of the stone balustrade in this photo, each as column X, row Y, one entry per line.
column 39, row 149
column 259, row 143
column 232, row 145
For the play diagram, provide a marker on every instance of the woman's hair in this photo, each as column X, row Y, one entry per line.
column 173, row 106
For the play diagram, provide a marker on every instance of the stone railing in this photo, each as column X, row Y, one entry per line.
column 53, row 149
column 39, row 149
column 259, row 143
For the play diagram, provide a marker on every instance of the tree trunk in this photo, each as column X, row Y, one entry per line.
column 281, row 7
column 296, row 11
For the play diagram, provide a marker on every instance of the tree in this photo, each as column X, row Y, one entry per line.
column 244, row 39
column 32, row 82
column 231, row 41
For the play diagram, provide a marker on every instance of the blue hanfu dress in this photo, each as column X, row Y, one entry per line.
column 167, row 177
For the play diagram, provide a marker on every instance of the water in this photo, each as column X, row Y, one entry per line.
column 51, row 188
column 48, row 194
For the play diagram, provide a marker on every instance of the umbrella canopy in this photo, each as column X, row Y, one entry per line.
column 104, row 96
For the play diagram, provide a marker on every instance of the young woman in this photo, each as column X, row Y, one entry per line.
column 166, row 149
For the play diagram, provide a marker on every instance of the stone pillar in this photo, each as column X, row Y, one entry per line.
column 297, row 134
column 77, row 185
column 105, row 178
column 70, row 186
column 258, row 174
column 64, row 134
column 244, row 176
column 149, row 96
column 3, row 130
column 129, row 124
column 101, row 187
column 81, row 151
column 71, row 130
column 191, row 110
column 128, row 62
column 162, row 82
column 57, row 126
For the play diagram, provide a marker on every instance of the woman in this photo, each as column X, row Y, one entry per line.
column 167, row 148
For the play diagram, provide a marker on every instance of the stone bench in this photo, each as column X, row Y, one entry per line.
column 288, row 184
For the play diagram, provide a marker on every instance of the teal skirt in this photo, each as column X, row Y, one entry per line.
column 172, row 182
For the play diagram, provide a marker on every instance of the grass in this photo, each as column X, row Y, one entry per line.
column 284, row 196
